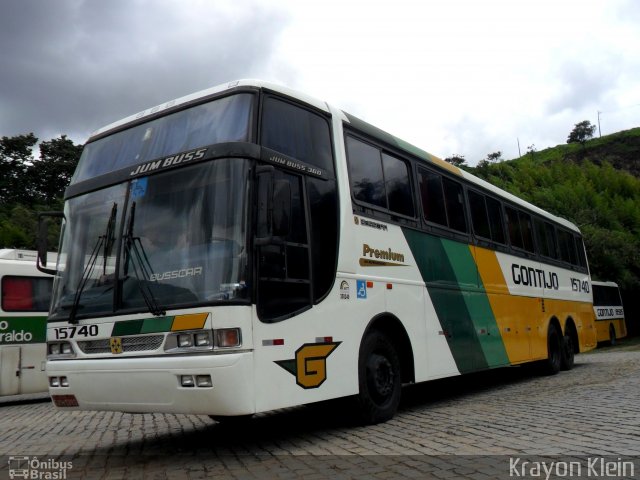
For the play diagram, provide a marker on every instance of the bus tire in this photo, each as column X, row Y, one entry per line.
column 554, row 350
column 613, row 340
column 568, row 352
column 379, row 379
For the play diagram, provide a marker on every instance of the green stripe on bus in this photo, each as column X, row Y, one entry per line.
column 154, row 325
column 146, row 325
column 438, row 270
column 128, row 327
column 477, row 302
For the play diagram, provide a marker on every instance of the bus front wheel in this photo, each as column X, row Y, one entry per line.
column 612, row 335
column 379, row 379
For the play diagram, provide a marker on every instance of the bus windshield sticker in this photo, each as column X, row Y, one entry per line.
column 139, row 188
column 361, row 289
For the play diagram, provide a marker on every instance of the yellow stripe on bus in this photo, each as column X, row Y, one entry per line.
column 513, row 314
column 523, row 321
column 192, row 321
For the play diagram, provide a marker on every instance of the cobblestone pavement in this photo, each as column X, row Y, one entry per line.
column 472, row 427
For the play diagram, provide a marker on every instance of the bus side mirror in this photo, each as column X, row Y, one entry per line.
column 43, row 248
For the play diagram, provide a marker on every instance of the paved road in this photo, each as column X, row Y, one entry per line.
column 473, row 427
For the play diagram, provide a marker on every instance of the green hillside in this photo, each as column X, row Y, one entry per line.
column 596, row 186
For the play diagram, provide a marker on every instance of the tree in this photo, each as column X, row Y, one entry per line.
column 456, row 160
column 494, row 157
column 15, row 155
column 581, row 132
column 51, row 174
column 28, row 185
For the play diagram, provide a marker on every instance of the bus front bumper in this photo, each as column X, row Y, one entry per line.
column 197, row 384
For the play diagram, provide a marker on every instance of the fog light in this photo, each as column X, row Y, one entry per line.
column 64, row 382
column 185, row 340
column 186, row 380
column 228, row 337
column 204, row 381
column 54, row 382
column 203, row 339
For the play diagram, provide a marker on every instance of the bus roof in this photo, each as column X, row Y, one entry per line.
column 604, row 283
column 15, row 254
column 375, row 132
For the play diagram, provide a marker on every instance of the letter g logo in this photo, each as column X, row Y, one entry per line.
column 310, row 364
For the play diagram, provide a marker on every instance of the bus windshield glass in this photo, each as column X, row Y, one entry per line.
column 180, row 237
column 226, row 119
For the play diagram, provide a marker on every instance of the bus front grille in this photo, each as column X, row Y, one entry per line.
column 129, row 344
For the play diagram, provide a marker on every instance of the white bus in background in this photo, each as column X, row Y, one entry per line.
column 25, row 294
column 607, row 305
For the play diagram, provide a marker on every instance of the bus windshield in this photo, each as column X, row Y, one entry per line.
column 226, row 119
column 173, row 239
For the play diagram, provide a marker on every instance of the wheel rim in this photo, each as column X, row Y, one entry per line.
column 380, row 377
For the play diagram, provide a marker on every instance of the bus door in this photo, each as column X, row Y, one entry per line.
column 24, row 301
column 9, row 370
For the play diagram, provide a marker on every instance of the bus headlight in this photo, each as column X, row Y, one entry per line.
column 185, row 340
column 202, row 339
column 60, row 349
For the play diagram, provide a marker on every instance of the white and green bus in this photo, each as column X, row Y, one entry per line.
column 609, row 312
column 248, row 248
column 25, row 294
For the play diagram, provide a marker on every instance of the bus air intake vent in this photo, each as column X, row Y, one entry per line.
column 129, row 344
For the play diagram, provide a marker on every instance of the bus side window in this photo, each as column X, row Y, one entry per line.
column 479, row 216
column 568, row 251
column 297, row 132
column 496, row 220
column 515, row 235
column 582, row 257
column 365, row 169
column 454, row 200
column 520, row 229
column 527, row 231
column 378, row 178
column 432, row 197
column 396, row 176
column 442, row 201
column 26, row 294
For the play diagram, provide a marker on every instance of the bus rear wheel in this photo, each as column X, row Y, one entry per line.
column 568, row 352
column 379, row 379
column 553, row 362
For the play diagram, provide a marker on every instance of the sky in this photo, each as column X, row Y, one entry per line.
column 453, row 77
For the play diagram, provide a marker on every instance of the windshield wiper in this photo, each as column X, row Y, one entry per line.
column 106, row 240
column 141, row 266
